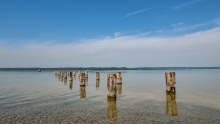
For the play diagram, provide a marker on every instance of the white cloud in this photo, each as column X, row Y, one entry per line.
column 197, row 49
column 116, row 34
column 184, row 28
column 216, row 21
column 134, row 13
column 186, row 4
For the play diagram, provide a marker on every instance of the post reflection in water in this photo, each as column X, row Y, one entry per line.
column 119, row 88
column 61, row 78
column 171, row 104
column 112, row 110
column 65, row 81
column 86, row 81
column 82, row 92
column 71, row 84
column 97, row 84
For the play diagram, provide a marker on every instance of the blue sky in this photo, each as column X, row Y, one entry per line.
column 106, row 33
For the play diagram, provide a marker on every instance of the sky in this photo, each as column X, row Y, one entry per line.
column 109, row 33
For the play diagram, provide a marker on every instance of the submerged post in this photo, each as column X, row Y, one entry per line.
column 97, row 76
column 170, row 82
column 171, row 108
column 111, row 85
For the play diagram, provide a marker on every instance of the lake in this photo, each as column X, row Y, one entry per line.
column 28, row 96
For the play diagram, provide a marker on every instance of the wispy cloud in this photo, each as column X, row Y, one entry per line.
column 134, row 13
column 186, row 4
column 201, row 48
column 184, row 28
column 177, row 24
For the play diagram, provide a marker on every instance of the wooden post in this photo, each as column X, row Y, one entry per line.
column 82, row 92
column 171, row 108
column 112, row 110
column 111, row 85
column 97, row 76
column 65, row 75
column 74, row 73
column 170, row 82
column 86, row 80
column 82, row 79
column 79, row 73
column 70, row 76
column 71, row 84
column 119, row 78
column 97, row 84
column 86, row 74
column 119, row 88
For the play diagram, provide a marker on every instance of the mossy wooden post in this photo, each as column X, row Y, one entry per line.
column 97, row 84
column 171, row 108
column 112, row 110
column 111, row 85
column 97, row 76
column 82, row 92
column 119, row 88
column 170, row 82
column 71, row 84
column 119, row 78
column 71, row 76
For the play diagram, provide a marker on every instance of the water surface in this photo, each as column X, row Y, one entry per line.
column 32, row 97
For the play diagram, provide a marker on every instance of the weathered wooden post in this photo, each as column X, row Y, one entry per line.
column 97, row 84
column 119, row 78
column 171, row 108
column 170, row 82
column 86, row 80
column 86, row 74
column 74, row 73
column 82, row 92
column 112, row 110
column 65, row 75
column 79, row 73
column 97, row 76
column 119, row 88
column 111, row 85
column 70, row 76
column 82, row 79
column 71, row 84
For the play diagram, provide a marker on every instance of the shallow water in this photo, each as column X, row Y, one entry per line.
column 32, row 97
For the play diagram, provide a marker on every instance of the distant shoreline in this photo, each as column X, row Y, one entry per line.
column 111, row 68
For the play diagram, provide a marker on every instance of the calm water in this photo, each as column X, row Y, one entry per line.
column 32, row 97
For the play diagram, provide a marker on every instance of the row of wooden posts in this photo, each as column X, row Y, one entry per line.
column 116, row 79
column 113, row 79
